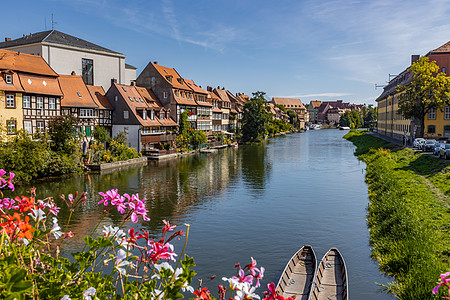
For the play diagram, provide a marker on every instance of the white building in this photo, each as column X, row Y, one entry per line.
column 67, row 54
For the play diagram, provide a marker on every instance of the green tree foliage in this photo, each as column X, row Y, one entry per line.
column 101, row 134
column 184, row 123
column 197, row 138
column 351, row 119
column 429, row 89
column 256, row 118
column 292, row 116
column 61, row 131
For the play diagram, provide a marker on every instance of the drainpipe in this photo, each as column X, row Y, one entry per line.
column 139, row 140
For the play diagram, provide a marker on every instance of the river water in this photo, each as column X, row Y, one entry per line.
column 262, row 201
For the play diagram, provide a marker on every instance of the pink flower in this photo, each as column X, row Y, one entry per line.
column 243, row 278
column 110, row 195
column 167, row 226
column 137, row 207
column 443, row 282
column 4, row 182
column 271, row 294
column 160, row 251
column 7, row 203
column 259, row 276
column 252, row 267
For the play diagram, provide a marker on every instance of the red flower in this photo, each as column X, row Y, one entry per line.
column 202, row 294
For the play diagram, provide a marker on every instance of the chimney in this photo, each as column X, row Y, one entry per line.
column 209, row 89
column 113, row 80
column 414, row 58
column 155, row 62
column 7, row 39
column 73, row 73
column 133, row 83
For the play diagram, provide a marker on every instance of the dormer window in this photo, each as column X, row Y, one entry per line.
column 131, row 99
column 161, row 115
column 9, row 79
column 79, row 95
column 180, row 80
column 140, row 99
column 152, row 114
column 169, row 78
column 135, row 99
column 144, row 114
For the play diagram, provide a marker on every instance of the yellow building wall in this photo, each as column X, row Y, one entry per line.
column 389, row 120
column 439, row 123
column 10, row 113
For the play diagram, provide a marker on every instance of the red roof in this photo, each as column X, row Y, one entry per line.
column 99, row 96
column 172, row 77
column 36, row 84
column 26, row 63
column 75, row 92
column 14, row 87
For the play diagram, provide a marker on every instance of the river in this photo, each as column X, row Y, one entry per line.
column 262, row 201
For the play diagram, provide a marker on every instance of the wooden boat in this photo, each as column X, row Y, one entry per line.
column 298, row 274
column 330, row 281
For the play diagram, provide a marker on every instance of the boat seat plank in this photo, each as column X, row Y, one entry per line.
column 299, row 281
column 328, row 292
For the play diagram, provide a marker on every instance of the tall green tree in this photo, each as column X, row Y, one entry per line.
column 292, row 116
column 428, row 90
column 61, row 131
column 255, row 119
column 184, row 123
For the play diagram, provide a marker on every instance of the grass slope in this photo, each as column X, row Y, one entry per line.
column 408, row 215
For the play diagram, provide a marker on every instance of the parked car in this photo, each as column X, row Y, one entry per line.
column 428, row 145
column 436, row 149
column 417, row 142
column 444, row 151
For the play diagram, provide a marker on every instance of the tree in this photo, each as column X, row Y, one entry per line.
column 256, row 118
column 428, row 90
column 292, row 116
column 101, row 134
column 61, row 131
column 184, row 123
column 197, row 137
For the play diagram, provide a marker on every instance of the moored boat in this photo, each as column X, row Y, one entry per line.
column 330, row 280
column 298, row 274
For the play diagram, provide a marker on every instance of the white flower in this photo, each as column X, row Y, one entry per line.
column 88, row 293
column 121, row 261
column 38, row 214
column 56, row 230
column 157, row 292
column 187, row 287
column 114, row 232
column 66, row 297
column 25, row 241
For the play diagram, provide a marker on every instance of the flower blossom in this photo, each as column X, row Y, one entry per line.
column 160, row 251
column 121, row 261
column 168, row 227
column 56, row 230
column 137, row 207
column 88, row 293
column 443, row 281
column 6, row 182
column 202, row 294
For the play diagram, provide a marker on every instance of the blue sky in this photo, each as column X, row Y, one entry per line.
column 324, row 50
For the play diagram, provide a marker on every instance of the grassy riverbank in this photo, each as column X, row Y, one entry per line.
column 408, row 215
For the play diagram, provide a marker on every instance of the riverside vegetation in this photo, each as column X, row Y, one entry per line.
column 407, row 216
column 117, row 265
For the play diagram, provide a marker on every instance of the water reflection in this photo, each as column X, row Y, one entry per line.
column 261, row 200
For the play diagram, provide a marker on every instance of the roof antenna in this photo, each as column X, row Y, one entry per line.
column 53, row 23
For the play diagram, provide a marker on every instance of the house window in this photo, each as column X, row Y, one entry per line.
column 87, row 66
column 106, row 114
column 165, row 95
column 153, row 80
column 116, row 98
column 86, row 113
column 40, row 126
column 10, row 102
column 26, row 102
column 432, row 114
column 131, row 99
column 28, row 127
column 431, row 129
column 125, row 114
column 447, row 113
column 144, row 114
column 9, row 79
column 11, row 126
column 88, row 131
column 161, row 116
column 443, row 70
column 152, row 114
column 39, row 102
column 51, row 103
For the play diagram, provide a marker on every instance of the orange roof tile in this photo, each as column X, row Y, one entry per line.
column 148, row 96
column 316, row 104
column 37, row 84
column 75, row 92
column 222, row 95
column 99, row 96
column 289, row 102
column 26, row 63
column 172, row 77
column 195, row 87
column 180, row 100
column 14, row 87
